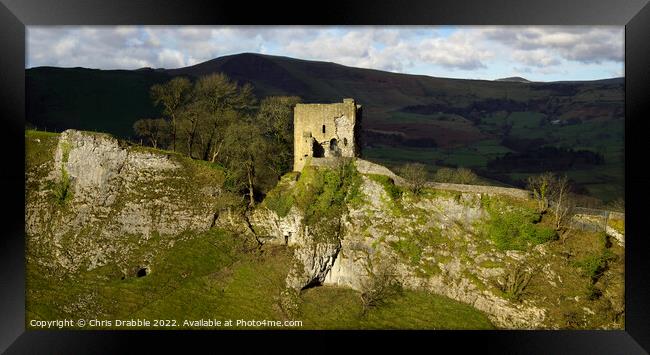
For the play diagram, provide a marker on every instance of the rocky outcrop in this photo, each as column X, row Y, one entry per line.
column 120, row 202
column 367, row 167
column 618, row 236
column 368, row 237
column 313, row 257
column 373, row 234
column 431, row 243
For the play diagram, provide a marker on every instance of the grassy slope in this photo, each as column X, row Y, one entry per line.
column 511, row 224
column 209, row 277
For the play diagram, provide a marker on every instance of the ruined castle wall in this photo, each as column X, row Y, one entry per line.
column 323, row 123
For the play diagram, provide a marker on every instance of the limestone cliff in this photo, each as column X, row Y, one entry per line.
column 93, row 200
column 434, row 242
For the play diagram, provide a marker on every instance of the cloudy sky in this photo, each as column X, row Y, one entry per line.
column 537, row 53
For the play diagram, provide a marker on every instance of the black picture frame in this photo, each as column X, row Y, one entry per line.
column 633, row 14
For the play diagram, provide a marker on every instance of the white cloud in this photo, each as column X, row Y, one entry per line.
column 169, row 58
column 464, row 50
column 461, row 50
column 64, row 46
column 536, row 58
column 349, row 48
column 579, row 43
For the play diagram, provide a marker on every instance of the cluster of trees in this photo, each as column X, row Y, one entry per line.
column 216, row 120
column 546, row 158
column 416, row 176
column 456, row 176
column 393, row 139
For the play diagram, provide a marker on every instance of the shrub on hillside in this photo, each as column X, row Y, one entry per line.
column 515, row 281
column 379, row 287
column 456, row 176
column 416, row 175
column 517, row 230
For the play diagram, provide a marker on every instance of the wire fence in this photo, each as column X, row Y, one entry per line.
column 593, row 218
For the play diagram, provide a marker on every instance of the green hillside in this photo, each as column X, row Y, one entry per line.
column 90, row 99
column 206, row 277
column 436, row 121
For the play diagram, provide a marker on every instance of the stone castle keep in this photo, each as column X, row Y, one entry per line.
column 325, row 130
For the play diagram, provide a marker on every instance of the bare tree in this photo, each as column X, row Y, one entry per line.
column 188, row 126
column 157, row 131
column 553, row 194
column 222, row 102
column 563, row 206
column 466, row 176
column 416, row 176
column 247, row 152
column 456, row 176
column 379, row 286
column 542, row 187
column 444, row 175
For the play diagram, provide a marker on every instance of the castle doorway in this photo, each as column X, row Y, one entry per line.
column 317, row 150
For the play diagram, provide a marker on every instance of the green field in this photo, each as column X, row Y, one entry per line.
column 606, row 137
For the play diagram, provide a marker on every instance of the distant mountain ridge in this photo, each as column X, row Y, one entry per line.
column 111, row 100
column 516, row 79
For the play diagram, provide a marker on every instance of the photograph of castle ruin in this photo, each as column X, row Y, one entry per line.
column 270, row 177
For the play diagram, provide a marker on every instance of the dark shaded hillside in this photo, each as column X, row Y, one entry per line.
column 266, row 76
column 111, row 100
column 89, row 99
column 435, row 121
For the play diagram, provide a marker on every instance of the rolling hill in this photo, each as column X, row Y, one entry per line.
column 515, row 79
column 436, row 121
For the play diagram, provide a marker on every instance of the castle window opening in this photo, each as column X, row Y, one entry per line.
column 345, row 142
column 334, row 149
column 323, row 128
